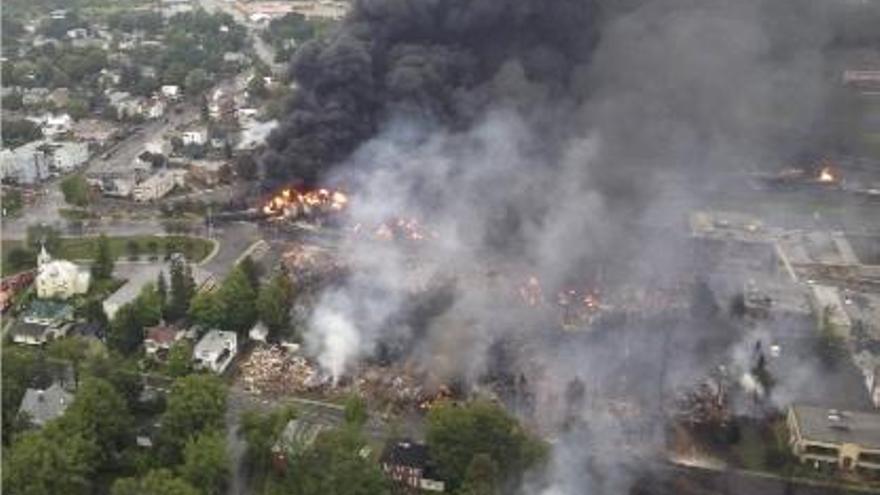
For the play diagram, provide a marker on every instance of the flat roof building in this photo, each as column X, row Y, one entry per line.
column 848, row 440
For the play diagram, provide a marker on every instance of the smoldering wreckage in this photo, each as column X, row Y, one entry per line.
column 503, row 225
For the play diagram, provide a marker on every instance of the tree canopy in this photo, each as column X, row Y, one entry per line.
column 196, row 403
column 335, row 464
column 457, row 434
column 206, row 464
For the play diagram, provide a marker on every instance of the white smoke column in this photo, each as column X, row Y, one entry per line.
column 334, row 338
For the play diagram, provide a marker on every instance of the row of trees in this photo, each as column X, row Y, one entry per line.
column 242, row 299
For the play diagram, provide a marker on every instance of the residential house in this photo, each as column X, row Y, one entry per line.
column 60, row 279
column 32, row 97
column 92, row 331
column 55, row 125
column 42, row 406
column 47, row 313
column 170, row 91
column 125, row 105
column 157, row 185
column 846, row 440
column 154, row 108
column 409, row 464
column 216, row 350
column 194, row 137
column 158, row 340
column 77, row 33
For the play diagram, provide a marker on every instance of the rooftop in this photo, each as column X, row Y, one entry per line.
column 837, row 427
column 45, row 405
column 405, row 453
column 161, row 334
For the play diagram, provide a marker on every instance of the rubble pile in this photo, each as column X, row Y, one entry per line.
column 308, row 264
column 273, row 371
column 399, row 387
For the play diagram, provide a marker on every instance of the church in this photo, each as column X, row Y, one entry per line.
column 60, row 279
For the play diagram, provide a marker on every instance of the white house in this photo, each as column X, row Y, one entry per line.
column 55, row 125
column 157, row 185
column 60, row 279
column 26, row 164
column 68, row 155
column 197, row 137
column 170, row 91
column 216, row 350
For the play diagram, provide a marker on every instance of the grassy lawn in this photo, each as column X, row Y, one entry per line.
column 85, row 248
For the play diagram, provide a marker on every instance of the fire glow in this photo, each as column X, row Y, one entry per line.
column 292, row 202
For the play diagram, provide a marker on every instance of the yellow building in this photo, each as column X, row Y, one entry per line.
column 848, row 440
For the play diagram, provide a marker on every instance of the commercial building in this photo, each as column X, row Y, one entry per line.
column 157, row 185
column 846, row 440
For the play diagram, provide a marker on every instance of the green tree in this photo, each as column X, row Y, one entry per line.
column 335, row 464
column 43, row 462
column 73, row 348
column 123, row 374
column 274, row 303
column 260, row 432
column 40, row 235
column 78, row 108
column 829, row 346
column 134, row 249
column 76, row 190
column 162, row 290
column 12, row 201
column 252, row 271
column 196, row 403
column 127, row 328
column 100, row 415
column 206, row 464
column 180, row 359
column 102, row 268
column 156, row 482
column 355, row 411
column 207, row 309
column 182, row 290
column 481, row 477
column 239, row 299
column 457, row 434
column 17, row 132
column 19, row 367
column 196, row 82
column 18, row 259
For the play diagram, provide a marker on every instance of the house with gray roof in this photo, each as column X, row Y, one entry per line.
column 42, row 406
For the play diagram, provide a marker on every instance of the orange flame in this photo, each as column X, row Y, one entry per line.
column 293, row 202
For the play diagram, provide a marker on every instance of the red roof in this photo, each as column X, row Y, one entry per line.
column 161, row 334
